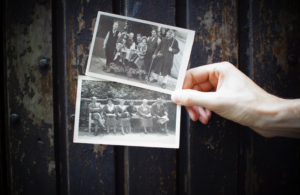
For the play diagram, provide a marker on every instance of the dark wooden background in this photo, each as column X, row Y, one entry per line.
column 38, row 155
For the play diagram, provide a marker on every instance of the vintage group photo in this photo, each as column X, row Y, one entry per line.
column 139, row 53
column 119, row 114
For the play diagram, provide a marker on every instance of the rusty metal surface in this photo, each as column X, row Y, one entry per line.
column 91, row 167
column 219, row 158
column 151, row 170
column 29, row 94
column 212, row 148
column 270, row 34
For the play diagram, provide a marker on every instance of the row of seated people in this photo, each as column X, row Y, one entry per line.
column 111, row 116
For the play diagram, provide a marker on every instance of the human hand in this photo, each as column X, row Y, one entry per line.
column 223, row 89
column 170, row 49
column 153, row 56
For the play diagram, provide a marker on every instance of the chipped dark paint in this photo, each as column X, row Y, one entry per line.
column 29, row 161
column 153, row 169
column 212, row 148
column 90, row 166
column 212, row 159
column 273, row 28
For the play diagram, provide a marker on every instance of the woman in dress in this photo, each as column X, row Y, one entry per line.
column 109, row 111
column 144, row 111
column 131, row 109
column 123, row 117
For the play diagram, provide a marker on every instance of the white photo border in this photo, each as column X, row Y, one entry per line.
column 184, row 61
column 76, row 138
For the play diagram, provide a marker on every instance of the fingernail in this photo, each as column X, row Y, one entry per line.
column 175, row 97
column 191, row 114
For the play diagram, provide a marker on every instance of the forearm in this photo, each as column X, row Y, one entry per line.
column 284, row 119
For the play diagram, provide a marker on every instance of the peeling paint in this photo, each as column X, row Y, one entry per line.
column 51, row 167
column 30, row 95
column 99, row 148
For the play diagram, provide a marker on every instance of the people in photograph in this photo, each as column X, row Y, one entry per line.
column 165, row 54
column 109, row 111
column 131, row 109
column 123, row 35
column 109, row 44
column 144, row 111
column 96, row 111
column 123, row 117
column 162, row 33
column 152, row 44
column 140, row 53
column 120, row 53
column 138, row 38
column 160, row 112
column 131, row 48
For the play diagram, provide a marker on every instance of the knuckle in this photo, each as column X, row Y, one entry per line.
column 186, row 98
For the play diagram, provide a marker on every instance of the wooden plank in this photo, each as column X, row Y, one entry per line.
column 151, row 170
column 3, row 107
column 213, row 148
column 31, row 160
column 91, row 167
column 271, row 165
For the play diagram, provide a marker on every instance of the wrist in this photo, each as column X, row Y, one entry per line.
column 281, row 115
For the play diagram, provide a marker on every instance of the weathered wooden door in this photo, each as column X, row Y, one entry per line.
column 46, row 44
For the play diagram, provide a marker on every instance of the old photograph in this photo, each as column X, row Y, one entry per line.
column 119, row 114
column 139, row 53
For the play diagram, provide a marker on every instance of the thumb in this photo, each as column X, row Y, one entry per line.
column 190, row 97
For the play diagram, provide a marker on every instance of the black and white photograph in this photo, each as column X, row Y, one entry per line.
column 118, row 114
column 139, row 53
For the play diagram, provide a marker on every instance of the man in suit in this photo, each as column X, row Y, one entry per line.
column 109, row 44
column 152, row 44
column 96, row 110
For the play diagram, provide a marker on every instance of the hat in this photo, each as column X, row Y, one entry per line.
column 144, row 37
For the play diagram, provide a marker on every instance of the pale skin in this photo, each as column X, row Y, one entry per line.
column 225, row 90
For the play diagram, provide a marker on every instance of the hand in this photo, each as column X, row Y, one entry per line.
column 222, row 88
column 154, row 56
column 170, row 49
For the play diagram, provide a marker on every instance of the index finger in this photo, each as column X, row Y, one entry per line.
column 203, row 75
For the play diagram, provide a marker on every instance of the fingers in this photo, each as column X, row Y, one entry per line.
column 200, row 75
column 195, row 98
column 199, row 113
column 203, row 117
